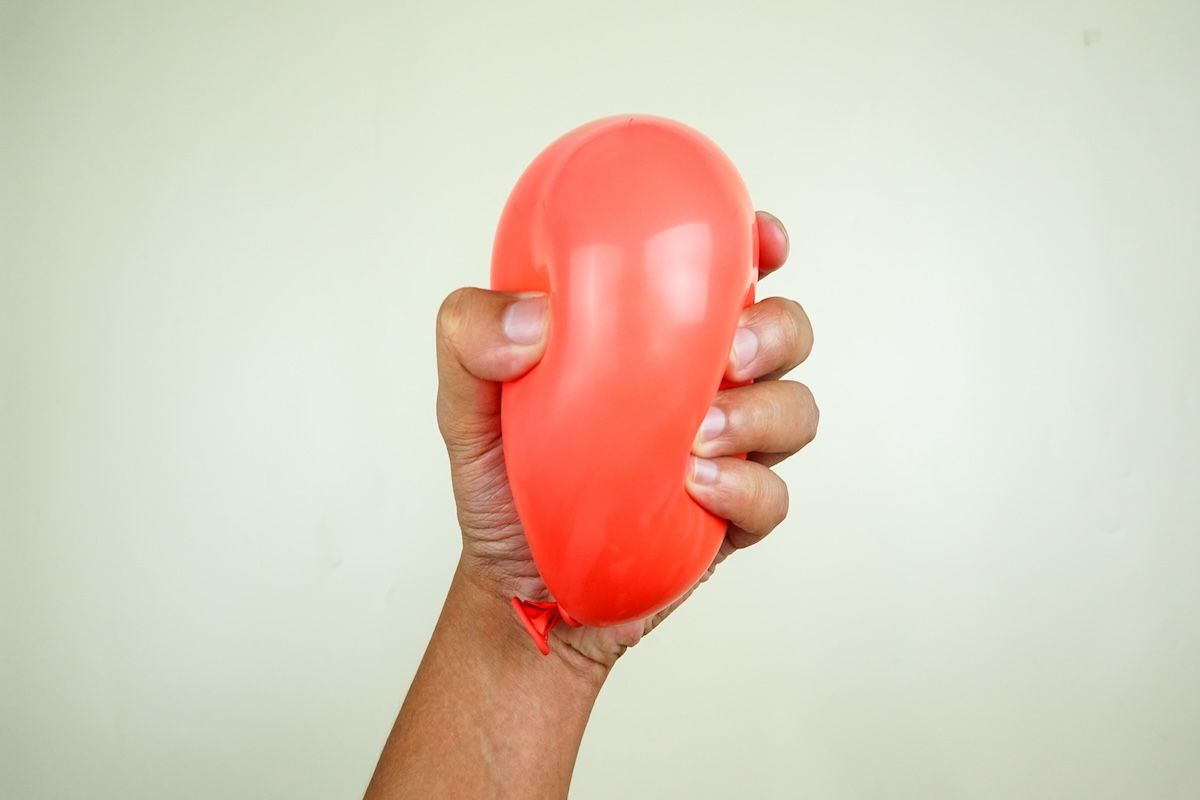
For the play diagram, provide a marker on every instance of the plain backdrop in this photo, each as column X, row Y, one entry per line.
column 226, row 515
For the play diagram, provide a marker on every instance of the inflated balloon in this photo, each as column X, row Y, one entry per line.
column 643, row 235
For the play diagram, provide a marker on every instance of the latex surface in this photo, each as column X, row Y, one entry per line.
column 643, row 234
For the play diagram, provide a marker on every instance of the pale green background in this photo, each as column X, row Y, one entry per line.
column 227, row 524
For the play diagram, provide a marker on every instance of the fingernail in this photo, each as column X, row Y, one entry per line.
column 704, row 471
column 525, row 320
column 745, row 346
column 713, row 424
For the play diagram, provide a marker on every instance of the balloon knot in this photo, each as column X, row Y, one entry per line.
column 539, row 619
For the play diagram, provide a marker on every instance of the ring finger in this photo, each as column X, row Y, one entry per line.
column 772, row 419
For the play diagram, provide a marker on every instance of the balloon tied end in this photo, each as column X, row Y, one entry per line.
column 539, row 619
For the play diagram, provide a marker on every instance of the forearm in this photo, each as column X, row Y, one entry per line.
column 486, row 713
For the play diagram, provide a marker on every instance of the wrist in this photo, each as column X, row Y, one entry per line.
column 493, row 713
column 481, row 609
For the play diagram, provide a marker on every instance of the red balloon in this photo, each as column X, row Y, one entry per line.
column 643, row 234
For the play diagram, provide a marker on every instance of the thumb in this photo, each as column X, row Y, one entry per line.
column 483, row 338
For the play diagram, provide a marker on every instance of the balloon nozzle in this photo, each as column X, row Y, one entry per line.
column 539, row 619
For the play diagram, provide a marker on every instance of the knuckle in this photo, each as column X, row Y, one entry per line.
column 783, row 500
column 797, row 394
column 767, row 500
column 465, row 435
column 454, row 312
column 799, row 412
column 732, row 488
column 796, row 330
column 759, row 491
column 811, row 416
column 794, row 404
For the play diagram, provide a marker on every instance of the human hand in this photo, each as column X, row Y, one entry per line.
column 484, row 338
column 486, row 713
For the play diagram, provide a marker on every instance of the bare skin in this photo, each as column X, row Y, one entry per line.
column 487, row 715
